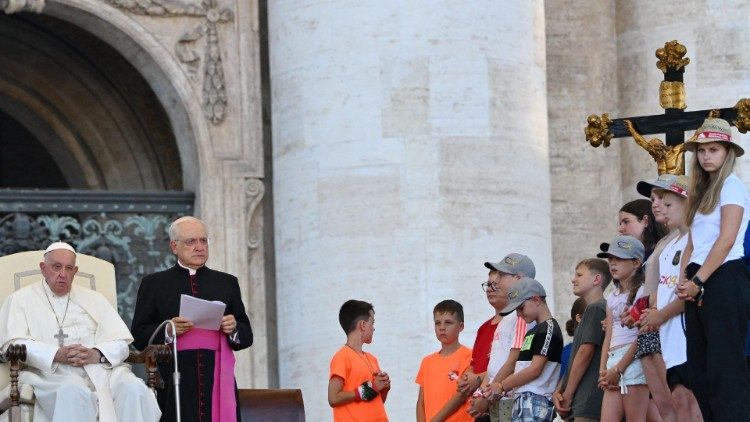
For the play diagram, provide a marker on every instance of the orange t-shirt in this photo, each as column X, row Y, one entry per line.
column 354, row 369
column 437, row 376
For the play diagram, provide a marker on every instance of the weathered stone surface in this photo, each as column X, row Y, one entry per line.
column 412, row 141
column 410, row 145
column 581, row 80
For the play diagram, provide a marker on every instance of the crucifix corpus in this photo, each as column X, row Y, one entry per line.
column 669, row 156
column 60, row 336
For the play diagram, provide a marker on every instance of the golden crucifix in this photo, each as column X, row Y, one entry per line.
column 669, row 155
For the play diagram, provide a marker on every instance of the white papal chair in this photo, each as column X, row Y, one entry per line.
column 21, row 269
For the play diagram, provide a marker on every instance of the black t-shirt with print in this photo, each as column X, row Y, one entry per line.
column 546, row 340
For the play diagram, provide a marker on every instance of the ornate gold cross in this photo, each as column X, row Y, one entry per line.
column 673, row 123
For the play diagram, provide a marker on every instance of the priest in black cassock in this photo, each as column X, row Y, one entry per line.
column 208, row 391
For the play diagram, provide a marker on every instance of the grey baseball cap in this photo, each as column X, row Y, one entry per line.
column 623, row 247
column 671, row 182
column 515, row 264
column 523, row 290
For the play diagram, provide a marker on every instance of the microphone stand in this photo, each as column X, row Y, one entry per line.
column 176, row 373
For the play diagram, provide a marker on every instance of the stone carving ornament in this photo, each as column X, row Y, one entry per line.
column 254, row 190
column 211, row 14
column 13, row 6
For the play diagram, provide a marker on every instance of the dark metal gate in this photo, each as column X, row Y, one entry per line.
column 128, row 229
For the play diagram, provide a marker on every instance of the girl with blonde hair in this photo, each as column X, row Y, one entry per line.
column 716, row 285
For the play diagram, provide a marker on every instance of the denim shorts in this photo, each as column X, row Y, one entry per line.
column 633, row 374
column 530, row 407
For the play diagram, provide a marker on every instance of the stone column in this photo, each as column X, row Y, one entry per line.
column 717, row 43
column 581, row 80
column 410, row 145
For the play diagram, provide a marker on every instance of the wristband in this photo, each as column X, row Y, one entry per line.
column 698, row 281
column 365, row 392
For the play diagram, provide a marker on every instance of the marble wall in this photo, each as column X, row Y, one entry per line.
column 581, row 80
column 410, row 144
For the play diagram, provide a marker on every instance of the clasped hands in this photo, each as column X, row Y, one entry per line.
column 479, row 404
column 563, row 402
column 609, row 379
column 466, row 385
column 382, row 381
column 687, row 290
column 650, row 320
column 183, row 325
column 77, row 355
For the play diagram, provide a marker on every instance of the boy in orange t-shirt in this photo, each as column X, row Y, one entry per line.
column 357, row 388
column 438, row 397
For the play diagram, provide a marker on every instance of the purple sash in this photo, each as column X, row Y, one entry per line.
column 223, row 403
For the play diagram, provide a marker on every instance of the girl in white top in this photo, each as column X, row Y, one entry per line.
column 666, row 316
column 625, row 390
column 716, row 285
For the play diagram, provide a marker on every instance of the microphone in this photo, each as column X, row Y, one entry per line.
column 176, row 374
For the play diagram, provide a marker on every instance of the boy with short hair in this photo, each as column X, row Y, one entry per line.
column 438, row 399
column 538, row 366
column 579, row 396
column 357, row 388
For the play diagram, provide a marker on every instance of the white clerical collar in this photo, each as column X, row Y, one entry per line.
column 191, row 271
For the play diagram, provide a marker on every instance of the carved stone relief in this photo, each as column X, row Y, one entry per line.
column 211, row 14
column 254, row 191
column 13, row 6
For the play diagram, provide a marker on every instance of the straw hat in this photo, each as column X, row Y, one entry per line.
column 713, row 130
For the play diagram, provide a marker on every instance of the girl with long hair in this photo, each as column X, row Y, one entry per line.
column 716, row 285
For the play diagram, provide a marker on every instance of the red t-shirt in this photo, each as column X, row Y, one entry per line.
column 480, row 354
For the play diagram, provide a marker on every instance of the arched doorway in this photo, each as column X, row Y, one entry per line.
column 18, row 148
column 221, row 163
column 88, row 106
column 87, row 150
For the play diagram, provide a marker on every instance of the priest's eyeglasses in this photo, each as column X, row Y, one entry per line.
column 489, row 287
column 204, row 241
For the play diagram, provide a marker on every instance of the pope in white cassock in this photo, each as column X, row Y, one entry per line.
column 76, row 344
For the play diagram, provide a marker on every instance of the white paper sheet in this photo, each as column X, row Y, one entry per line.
column 202, row 313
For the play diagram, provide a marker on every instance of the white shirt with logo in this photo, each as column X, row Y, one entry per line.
column 673, row 343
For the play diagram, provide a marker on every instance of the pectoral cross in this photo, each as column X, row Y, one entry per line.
column 675, row 120
column 60, row 336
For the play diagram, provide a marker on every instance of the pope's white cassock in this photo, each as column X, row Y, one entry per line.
column 64, row 392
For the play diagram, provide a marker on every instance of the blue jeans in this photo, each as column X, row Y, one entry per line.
column 530, row 407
